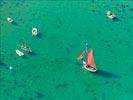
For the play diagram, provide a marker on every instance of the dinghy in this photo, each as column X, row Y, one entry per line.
column 110, row 15
column 19, row 53
column 89, row 63
column 34, row 31
column 9, row 19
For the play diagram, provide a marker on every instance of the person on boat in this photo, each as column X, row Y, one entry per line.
column 88, row 66
column 34, row 30
column 24, row 46
column 84, row 62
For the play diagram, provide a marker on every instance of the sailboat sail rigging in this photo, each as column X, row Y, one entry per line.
column 89, row 63
column 90, row 59
column 81, row 56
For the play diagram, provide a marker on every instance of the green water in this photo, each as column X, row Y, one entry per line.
column 52, row 72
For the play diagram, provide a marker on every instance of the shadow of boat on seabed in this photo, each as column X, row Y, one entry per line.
column 106, row 74
column 102, row 73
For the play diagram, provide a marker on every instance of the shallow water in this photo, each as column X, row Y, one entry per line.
column 52, row 72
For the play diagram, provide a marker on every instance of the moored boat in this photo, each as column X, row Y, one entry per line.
column 110, row 15
column 34, row 31
column 9, row 19
column 19, row 53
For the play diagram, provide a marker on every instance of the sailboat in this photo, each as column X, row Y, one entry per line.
column 25, row 47
column 89, row 63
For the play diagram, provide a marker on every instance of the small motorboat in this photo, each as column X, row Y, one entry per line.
column 25, row 47
column 110, row 15
column 34, row 31
column 9, row 19
column 19, row 53
column 89, row 64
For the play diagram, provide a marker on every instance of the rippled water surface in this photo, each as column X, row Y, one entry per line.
column 52, row 72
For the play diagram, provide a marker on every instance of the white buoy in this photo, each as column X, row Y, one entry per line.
column 10, row 67
column 34, row 31
column 9, row 19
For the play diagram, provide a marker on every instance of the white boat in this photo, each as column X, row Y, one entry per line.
column 89, row 64
column 19, row 53
column 110, row 15
column 9, row 19
column 34, row 31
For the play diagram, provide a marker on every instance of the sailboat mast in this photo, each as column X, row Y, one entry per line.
column 86, row 48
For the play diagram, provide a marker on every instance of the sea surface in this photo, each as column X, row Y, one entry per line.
column 51, row 71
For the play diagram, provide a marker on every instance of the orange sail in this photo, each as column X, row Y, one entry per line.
column 81, row 56
column 90, row 59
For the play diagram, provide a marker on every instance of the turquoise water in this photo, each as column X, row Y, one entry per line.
column 52, row 72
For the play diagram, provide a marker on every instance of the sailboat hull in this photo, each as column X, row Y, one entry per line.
column 89, row 68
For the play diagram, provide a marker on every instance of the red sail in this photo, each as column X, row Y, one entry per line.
column 81, row 56
column 90, row 59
